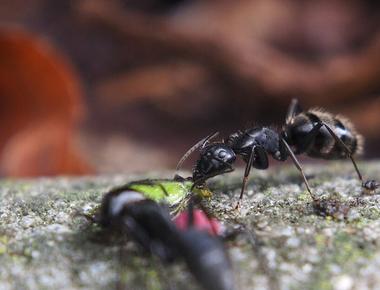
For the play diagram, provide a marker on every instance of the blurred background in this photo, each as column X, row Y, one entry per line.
column 109, row 86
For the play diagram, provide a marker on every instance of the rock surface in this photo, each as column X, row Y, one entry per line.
column 284, row 241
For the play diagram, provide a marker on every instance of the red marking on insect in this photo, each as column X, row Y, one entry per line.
column 200, row 222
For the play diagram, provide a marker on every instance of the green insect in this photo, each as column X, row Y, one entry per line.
column 174, row 193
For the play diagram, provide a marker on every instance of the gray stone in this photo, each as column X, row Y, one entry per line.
column 284, row 243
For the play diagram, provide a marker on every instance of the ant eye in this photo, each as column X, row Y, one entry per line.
column 222, row 154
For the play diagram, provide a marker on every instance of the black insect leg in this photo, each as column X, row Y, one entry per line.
column 346, row 149
column 247, row 170
column 294, row 109
column 299, row 167
column 199, row 144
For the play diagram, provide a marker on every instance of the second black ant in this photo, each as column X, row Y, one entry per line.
column 315, row 132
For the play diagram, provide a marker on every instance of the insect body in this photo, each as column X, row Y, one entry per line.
column 149, row 224
column 143, row 219
column 309, row 133
column 316, row 133
column 253, row 145
column 320, row 134
column 174, row 193
column 207, row 260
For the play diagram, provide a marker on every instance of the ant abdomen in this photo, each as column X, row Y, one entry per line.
column 323, row 144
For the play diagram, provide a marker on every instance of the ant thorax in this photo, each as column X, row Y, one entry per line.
column 242, row 142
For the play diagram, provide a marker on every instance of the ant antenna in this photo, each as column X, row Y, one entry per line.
column 202, row 143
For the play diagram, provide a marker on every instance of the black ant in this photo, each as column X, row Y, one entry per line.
column 315, row 133
column 150, row 225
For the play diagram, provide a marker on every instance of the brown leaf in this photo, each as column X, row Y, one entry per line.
column 40, row 104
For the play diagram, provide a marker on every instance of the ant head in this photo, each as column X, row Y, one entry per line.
column 215, row 159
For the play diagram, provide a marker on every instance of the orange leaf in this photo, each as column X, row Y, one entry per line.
column 40, row 104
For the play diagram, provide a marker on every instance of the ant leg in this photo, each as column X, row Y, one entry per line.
column 293, row 110
column 259, row 159
column 247, row 170
column 299, row 167
column 199, row 144
column 346, row 149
